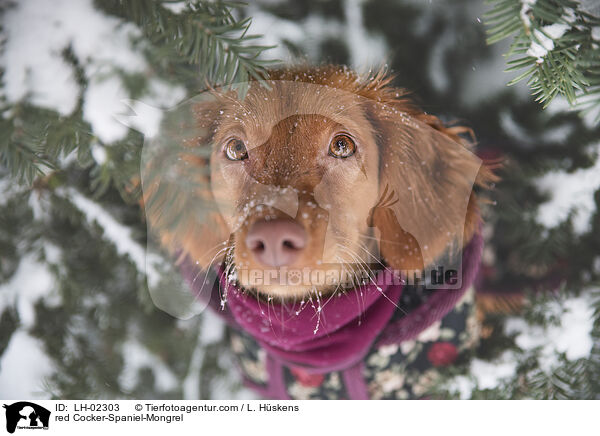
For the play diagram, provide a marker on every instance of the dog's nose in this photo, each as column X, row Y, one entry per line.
column 276, row 242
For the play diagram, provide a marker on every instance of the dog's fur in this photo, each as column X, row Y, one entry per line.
column 400, row 193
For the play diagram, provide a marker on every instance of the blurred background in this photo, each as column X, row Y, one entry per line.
column 76, row 319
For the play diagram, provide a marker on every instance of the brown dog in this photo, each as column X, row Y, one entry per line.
column 360, row 175
column 322, row 171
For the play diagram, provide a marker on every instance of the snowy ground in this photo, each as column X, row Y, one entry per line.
column 570, row 335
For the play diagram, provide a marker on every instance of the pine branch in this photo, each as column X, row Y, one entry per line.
column 33, row 140
column 552, row 48
column 205, row 34
column 205, row 37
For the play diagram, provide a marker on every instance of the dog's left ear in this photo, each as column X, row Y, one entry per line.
column 427, row 208
column 180, row 208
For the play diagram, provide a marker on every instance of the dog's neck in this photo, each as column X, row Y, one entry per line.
column 345, row 327
column 318, row 333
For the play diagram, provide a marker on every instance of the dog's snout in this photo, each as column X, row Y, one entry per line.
column 276, row 242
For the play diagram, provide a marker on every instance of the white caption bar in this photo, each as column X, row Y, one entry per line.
column 23, row 417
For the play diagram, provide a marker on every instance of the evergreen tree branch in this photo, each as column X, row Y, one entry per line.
column 205, row 34
column 552, row 48
column 204, row 43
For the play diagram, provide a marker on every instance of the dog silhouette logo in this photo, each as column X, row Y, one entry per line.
column 26, row 415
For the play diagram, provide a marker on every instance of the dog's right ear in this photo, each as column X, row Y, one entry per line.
column 180, row 208
column 427, row 206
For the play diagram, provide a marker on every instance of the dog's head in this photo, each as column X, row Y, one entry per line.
column 320, row 171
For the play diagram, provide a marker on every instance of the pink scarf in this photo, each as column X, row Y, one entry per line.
column 339, row 335
column 324, row 335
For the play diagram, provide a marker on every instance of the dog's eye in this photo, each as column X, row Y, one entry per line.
column 236, row 150
column 342, row 146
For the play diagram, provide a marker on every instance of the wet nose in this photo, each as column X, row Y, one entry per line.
column 276, row 242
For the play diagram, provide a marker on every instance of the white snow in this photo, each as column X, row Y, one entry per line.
column 489, row 374
column 136, row 356
column 543, row 40
column 367, row 50
column 175, row 7
column 569, row 193
column 24, row 365
column 484, row 375
column 38, row 31
column 29, row 283
column 560, row 105
column 99, row 153
column 213, row 327
column 211, row 331
column 145, row 115
column 221, row 387
column 556, row 30
column 6, row 190
column 596, row 265
column 32, row 57
column 556, row 133
column 462, row 385
column 569, row 14
column 275, row 30
column 512, row 128
column 102, row 100
column 191, row 383
column 118, row 234
column 23, row 368
column 591, row 115
column 107, row 101
column 437, row 70
column 572, row 336
column 540, row 45
column 524, row 13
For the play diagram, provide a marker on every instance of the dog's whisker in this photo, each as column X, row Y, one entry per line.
column 379, row 289
column 337, row 288
column 360, row 264
column 372, row 279
column 318, row 308
column 229, row 266
column 219, row 251
column 367, row 251
column 339, row 285
column 352, row 273
column 206, row 272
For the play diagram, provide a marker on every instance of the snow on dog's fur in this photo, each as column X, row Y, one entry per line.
column 368, row 172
